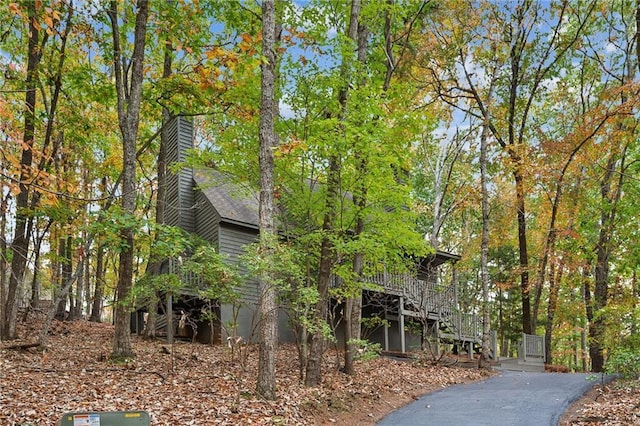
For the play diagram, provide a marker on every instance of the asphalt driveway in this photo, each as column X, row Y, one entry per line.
column 510, row 398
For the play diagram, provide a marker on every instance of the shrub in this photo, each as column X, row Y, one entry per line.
column 625, row 362
column 366, row 350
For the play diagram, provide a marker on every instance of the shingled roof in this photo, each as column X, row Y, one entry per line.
column 235, row 203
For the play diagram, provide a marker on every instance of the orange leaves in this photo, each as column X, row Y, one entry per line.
column 15, row 9
column 222, row 57
column 209, row 78
column 286, row 148
column 50, row 16
column 249, row 43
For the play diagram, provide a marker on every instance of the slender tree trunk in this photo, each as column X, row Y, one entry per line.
column 353, row 309
column 353, row 305
column 156, row 264
column 98, row 293
column 483, row 361
column 129, row 93
column 87, row 276
column 61, row 305
column 610, row 192
column 67, row 272
column 266, row 383
column 555, row 280
column 77, row 306
column 523, row 254
column 588, row 308
column 636, row 296
column 35, row 282
column 4, row 255
column 316, row 346
column 327, row 255
column 22, row 232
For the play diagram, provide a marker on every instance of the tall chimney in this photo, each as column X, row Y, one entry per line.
column 180, row 201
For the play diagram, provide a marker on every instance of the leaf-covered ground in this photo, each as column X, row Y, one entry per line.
column 614, row 404
column 195, row 384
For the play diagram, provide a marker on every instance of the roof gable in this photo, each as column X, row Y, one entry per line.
column 234, row 203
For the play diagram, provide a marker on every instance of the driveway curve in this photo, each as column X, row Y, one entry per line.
column 510, row 398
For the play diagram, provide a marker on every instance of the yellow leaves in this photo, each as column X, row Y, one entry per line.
column 216, row 52
column 222, row 57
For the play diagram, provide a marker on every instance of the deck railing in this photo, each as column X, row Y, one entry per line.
column 431, row 298
column 531, row 348
column 425, row 295
column 190, row 280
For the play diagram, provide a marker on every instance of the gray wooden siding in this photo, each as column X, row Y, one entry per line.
column 207, row 220
column 180, row 197
column 232, row 240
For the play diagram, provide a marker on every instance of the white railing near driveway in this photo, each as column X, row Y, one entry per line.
column 531, row 348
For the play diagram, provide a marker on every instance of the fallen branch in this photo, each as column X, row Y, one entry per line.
column 92, row 370
column 21, row 346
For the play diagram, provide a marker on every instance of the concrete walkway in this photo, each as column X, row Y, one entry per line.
column 510, row 398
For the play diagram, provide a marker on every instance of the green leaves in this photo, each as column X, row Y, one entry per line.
column 217, row 279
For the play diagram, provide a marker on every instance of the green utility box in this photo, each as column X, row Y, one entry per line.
column 107, row 418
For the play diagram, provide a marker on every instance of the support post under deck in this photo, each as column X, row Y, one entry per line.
column 401, row 324
column 386, row 337
column 169, row 318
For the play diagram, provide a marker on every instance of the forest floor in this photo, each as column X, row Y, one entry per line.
column 195, row 384
column 616, row 403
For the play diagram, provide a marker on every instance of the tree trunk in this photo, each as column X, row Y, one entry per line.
column 98, row 293
column 353, row 311
column 3, row 259
column 353, row 305
column 61, row 304
column 77, row 306
column 87, row 280
column 156, row 264
column 610, row 192
column 636, row 295
column 483, row 361
column 327, row 256
column 22, row 232
column 266, row 382
column 554, row 288
column 316, row 346
column 129, row 93
column 523, row 253
column 35, row 282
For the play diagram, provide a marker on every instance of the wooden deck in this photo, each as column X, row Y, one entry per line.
column 426, row 300
column 429, row 300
